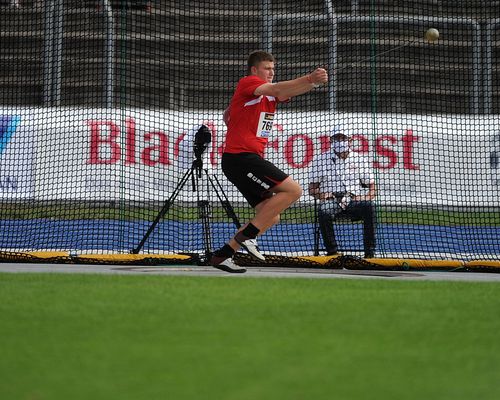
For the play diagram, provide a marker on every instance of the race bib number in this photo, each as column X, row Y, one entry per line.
column 265, row 124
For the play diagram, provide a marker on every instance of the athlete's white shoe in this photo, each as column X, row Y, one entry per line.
column 227, row 265
column 252, row 247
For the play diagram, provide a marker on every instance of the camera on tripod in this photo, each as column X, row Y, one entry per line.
column 202, row 139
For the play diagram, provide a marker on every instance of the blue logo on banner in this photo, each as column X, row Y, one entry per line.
column 8, row 125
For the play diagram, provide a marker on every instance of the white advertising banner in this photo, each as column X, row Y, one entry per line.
column 141, row 155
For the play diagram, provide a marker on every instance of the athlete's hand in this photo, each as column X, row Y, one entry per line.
column 318, row 76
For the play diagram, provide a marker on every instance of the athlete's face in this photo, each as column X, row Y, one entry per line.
column 264, row 70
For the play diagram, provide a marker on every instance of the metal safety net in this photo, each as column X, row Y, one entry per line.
column 102, row 102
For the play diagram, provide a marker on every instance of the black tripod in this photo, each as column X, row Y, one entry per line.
column 204, row 207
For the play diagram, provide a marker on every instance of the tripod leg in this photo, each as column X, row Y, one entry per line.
column 221, row 195
column 316, row 228
column 204, row 215
column 163, row 211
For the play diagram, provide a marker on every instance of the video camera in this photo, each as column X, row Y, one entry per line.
column 202, row 139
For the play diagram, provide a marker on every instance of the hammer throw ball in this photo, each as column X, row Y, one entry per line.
column 431, row 35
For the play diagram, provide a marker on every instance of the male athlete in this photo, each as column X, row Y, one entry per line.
column 249, row 119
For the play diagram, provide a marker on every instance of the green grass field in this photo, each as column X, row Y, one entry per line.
column 298, row 214
column 158, row 337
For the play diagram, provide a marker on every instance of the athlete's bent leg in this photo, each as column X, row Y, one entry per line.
column 268, row 211
column 267, row 214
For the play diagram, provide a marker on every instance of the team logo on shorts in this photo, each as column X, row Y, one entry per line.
column 258, row 181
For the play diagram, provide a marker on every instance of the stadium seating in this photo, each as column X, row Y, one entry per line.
column 210, row 45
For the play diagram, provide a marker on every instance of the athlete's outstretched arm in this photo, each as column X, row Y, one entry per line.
column 286, row 89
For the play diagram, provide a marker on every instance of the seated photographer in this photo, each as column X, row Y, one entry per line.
column 344, row 183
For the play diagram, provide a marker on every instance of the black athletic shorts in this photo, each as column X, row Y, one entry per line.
column 252, row 175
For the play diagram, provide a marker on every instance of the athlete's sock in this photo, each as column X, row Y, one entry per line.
column 222, row 254
column 249, row 232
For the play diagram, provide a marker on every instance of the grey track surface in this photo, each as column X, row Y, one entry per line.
column 252, row 272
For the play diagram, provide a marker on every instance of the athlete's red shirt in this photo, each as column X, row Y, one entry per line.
column 250, row 118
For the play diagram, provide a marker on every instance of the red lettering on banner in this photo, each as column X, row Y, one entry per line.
column 363, row 146
column 97, row 140
column 307, row 154
column 273, row 144
column 325, row 143
column 408, row 140
column 152, row 148
column 161, row 149
column 387, row 152
column 130, row 141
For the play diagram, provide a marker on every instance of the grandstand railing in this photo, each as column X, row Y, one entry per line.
column 481, row 87
column 270, row 21
column 53, row 54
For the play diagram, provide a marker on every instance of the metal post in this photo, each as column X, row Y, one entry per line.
column 476, row 62
column 488, row 65
column 48, row 53
column 267, row 26
column 332, row 54
column 110, row 52
column 57, row 52
column 355, row 7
